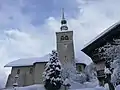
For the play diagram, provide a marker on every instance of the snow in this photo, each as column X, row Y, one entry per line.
column 76, row 87
column 52, row 72
column 66, row 82
column 15, row 84
column 103, row 33
column 118, row 87
column 31, row 87
column 82, row 58
column 106, row 86
column 28, row 61
column 107, row 71
column 41, row 87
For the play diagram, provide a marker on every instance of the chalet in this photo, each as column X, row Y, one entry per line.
column 92, row 48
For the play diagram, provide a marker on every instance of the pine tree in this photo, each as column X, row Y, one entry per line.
column 52, row 73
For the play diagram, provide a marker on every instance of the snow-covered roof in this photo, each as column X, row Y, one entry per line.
column 103, row 33
column 28, row 61
column 80, row 58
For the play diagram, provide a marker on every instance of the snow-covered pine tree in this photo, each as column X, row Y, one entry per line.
column 52, row 73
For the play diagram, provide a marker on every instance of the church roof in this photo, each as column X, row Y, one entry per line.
column 81, row 58
column 28, row 61
column 102, row 38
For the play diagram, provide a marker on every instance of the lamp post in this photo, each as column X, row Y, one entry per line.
column 66, row 83
column 15, row 84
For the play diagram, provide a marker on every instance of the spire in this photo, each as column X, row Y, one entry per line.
column 63, row 22
column 63, row 17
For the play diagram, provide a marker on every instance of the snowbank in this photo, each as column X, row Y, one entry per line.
column 118, row 87
column 32, row 87
column 41, row 87
column 96, row 88
column 76, row 85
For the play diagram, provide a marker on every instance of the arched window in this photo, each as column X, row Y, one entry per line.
column 66, row 38
column 18, row 71
column 31, row 70
column 62, row 37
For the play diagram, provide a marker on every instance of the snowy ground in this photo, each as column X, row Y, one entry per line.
column 75, row 86
column 41, row 87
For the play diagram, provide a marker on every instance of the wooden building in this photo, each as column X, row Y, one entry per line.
column 92, row 48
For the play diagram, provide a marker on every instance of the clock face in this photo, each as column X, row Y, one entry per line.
column 65, row 46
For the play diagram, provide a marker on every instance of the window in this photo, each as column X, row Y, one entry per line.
column 66, row 38
column 31, row 70
column 80, row 68
column 62, row 37
column 18, row 71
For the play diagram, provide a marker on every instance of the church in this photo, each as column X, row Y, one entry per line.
column 29, row 71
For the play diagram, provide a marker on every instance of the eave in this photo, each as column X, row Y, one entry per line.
column 101, row 39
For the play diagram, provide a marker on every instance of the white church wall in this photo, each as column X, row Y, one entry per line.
column 23, row 77
column 39, row 69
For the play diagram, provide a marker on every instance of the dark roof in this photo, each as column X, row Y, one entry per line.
column 101, row 39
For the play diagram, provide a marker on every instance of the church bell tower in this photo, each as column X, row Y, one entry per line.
column 65, row 46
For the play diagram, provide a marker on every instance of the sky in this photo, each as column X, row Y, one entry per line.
column 27, row 27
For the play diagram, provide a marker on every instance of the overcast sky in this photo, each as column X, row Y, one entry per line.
column 27, row 27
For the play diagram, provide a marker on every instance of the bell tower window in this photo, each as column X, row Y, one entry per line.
column 66, row 38
column 62, row 37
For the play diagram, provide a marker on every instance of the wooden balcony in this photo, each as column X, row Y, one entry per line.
column 100, row 73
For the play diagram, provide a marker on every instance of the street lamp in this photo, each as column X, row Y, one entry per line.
column 15, row 84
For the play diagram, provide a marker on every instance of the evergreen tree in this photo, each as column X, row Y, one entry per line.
column 52, row 73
